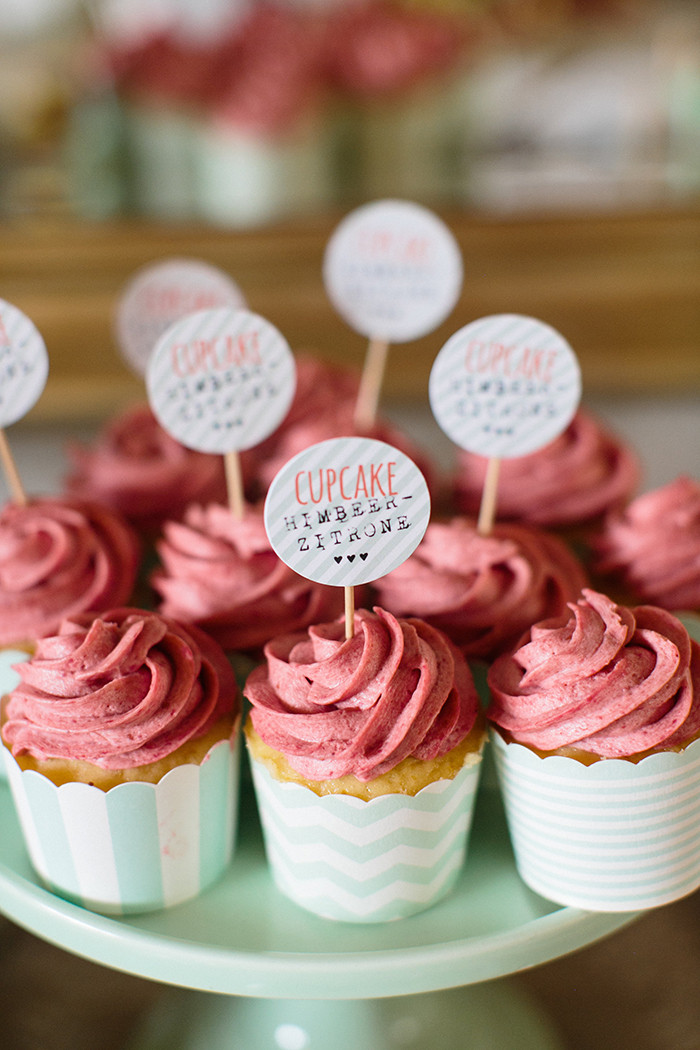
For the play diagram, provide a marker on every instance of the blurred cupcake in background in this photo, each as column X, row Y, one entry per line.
column 651, row 549
column 568, row 485
column 135, row 467
column 483, row 592
column 263, row 146
column 58, row 558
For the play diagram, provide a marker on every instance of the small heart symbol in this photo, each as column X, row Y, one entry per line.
column 364, row 556
column 351, row 557
column 338, row 558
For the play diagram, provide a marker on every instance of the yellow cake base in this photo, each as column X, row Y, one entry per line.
column 588, row 758
column 67, row 771
column 407, row 778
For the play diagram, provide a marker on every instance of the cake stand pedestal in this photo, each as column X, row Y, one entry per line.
column 288, row 980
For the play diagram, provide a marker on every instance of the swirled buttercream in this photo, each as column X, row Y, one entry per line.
column 221, row 573
column 607, row 680
column 118, row 692
column 653, row 546
column 335, row 706
column 582, row 474
column 60, row 557
column 484, row 592
column 137, row 468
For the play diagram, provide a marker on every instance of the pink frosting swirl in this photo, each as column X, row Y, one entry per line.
column 484, row 592
column 335, row 707
column 653, row 546
column 222, row 574
column 137, row 468
column 119, row 692
column 582, row 474
column 607, row 680
column 60, row 557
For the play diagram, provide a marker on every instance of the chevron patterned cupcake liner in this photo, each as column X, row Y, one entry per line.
column 610, row 836
column 139, row 846
column 348, row 859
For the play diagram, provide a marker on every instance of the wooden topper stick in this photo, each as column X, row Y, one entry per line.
column 371, row 384
column 11, row 472
column 349, row 612
column 487, row 510
column 234, row 484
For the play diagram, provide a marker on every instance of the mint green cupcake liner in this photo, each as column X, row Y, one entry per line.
column 353, row 860
column 139, row 846
column 611, row 836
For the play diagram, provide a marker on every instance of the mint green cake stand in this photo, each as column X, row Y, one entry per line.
column 287, row 980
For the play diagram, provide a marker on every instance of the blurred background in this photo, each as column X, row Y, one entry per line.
column 561, row 140
column 243, row 112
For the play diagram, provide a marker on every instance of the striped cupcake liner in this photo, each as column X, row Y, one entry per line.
column 139, row 846
column 610, row 836
column 8, row 680
column 353, row 860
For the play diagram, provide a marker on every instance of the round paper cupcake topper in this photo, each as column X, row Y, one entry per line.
column 505, row 385
column 347, row 510
column 24, row 364
column 162, row 293
column 221, row 380
column 393, row 270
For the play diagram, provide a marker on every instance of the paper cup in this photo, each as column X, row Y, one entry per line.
column 353, row 860
column 8, row 680
column 611, row 836
column 139, row 846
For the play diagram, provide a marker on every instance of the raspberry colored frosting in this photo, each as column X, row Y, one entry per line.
column 137, row 468
column 119, row 692
column 582, row 474
column 484, row 592
column 335, row 707
column 607, row 680
column 60, row 557
column 377, row 49
column 222, row 574
column 653, row 546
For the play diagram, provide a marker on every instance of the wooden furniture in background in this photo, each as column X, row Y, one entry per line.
column 624, row 289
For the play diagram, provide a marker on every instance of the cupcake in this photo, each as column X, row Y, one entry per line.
column 365, row 756
column 399, row 70
column 120, row 736
column 569, row 484
column 652, row 548
column 58, row 558
column 263, row 148
column 221, row 573
column 597, row 717
column 483, row 592
column 161, row 84
column 138, row 469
